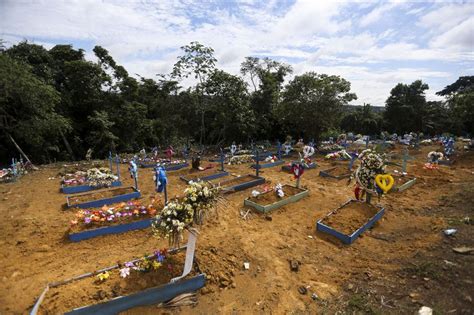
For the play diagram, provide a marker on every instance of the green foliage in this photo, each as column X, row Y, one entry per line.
column 363, row 120
column 460, row 100
column 406, row 107
column 312, row 103
column 27, row 110
column 57, row 105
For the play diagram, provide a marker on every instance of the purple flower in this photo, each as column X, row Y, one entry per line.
column 118, row 214
column 159, row 256
column 109, row 218
column 87, row 220
column 129, row 264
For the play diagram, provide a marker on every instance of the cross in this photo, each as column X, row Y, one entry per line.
column 367, row 142
column 257, row 167
column 117, row 161
column 406, row 158
column 279, row 150
column 133, row 169
column 161, row 181
column 222, row 160
column 110, row 161
column 353, row 158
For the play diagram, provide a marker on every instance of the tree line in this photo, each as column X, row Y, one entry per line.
column 56, row 105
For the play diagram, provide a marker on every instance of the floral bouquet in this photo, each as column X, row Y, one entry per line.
column 202, row 197
column 327, row 148
column 100, row 177
column 240, row 159
column 271, row 158
column 371, row 164
column 434, row 156
column 172, row 220
column 342, row 154
column 107, row 215
column 279, row 190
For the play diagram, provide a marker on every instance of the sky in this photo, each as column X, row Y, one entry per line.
column 374, row 45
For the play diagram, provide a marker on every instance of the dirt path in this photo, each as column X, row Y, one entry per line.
column 407, row 242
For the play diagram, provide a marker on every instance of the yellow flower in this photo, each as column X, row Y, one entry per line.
column 155, row 265
column 103, row 276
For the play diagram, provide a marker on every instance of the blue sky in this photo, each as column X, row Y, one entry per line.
column 374, row 45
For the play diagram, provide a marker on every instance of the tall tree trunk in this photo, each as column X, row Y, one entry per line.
column 19, row 149
column 67, row 145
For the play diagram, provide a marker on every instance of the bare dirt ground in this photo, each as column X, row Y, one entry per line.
column 405, row 261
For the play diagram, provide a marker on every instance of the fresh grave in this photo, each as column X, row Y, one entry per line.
column 275, row 198
column 100, row 198
column 114, row 219
column 240, row 183
column 355, row 216
column 340, row 171
column 349, row 220
column 205, row 174
column 153, row 279
column 269, row 160
column 93, row 178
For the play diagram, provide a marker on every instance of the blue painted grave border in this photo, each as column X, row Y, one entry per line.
column 150, row 296
column 208, row 177
column 107, row 230
column 267, row 165
column 106, row 201
column 84, row 188
column 348, row 239
column 255, row 182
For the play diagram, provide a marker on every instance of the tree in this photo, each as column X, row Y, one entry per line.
column 362, row 120
column 27, row 111
column 34, row 55
column 312, row 103
column 198, row 60
column 271, row 76
column 406, row 108
column 460, row 100
column 232, row 116
column 100, row 137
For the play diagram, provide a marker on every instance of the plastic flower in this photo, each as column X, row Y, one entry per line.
column 103, row 276
column 125, row 272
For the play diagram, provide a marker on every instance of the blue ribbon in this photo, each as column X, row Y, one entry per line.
column 160, row 179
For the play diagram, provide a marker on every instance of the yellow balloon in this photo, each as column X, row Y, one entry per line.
column 385, row 182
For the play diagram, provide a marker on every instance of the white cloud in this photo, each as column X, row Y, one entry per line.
column 323, row 36
column 376, row 14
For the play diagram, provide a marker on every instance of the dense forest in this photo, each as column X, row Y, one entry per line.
column 56, row 105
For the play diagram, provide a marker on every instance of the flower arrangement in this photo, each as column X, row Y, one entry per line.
column 107, row 215
column 146, row 264
column 240, row 159
column 435, row 156
column 172, row 220
column 279, row 190
column 326, row 148
column 100, row 177
column 371, row 164
column 339, row 154
column 96, row 177
column 271, row 158
column 202, row 197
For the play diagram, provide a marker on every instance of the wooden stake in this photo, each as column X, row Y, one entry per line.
column 19, row 149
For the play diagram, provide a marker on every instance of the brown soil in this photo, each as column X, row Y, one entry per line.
column 339, row 171
column 90, row 290
column 99, row 194
column 400, row 180
column 236, row 181
column 351, row 217
column 401, row 260
column 198, row 175
column 271, row 197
